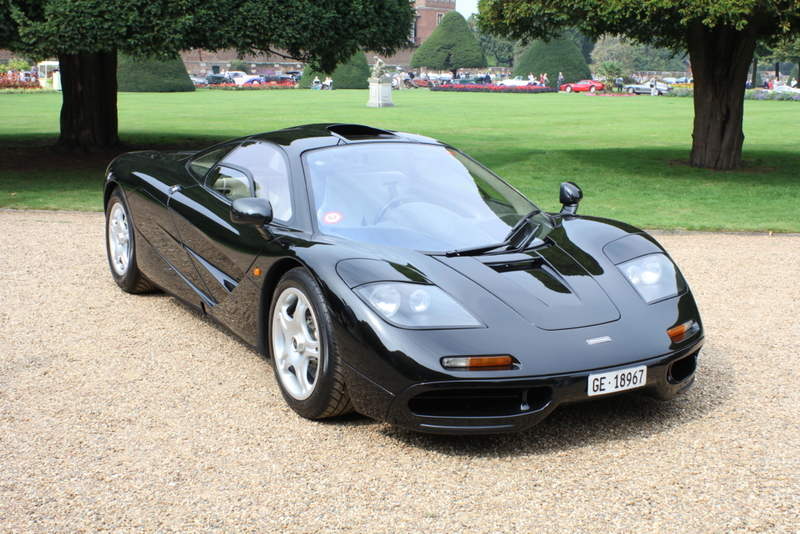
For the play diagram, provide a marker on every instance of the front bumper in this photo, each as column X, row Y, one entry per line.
column 512, row 405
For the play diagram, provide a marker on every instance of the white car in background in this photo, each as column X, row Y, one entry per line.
column 645, row 89
column 514, row 82
column 242, row 78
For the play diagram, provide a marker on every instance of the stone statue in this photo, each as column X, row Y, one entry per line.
column 379, row 69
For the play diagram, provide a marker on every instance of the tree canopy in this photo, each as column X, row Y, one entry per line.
column 451, row 46
column 719, row 36
column 86, row 36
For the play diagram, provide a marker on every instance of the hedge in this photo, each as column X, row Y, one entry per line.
column 151, row 76
column 559, row 55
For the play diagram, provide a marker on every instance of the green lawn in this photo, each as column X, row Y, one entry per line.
column 627, row 154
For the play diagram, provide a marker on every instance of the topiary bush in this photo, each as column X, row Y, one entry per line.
column 559, row 55
column 451, row 46
column 350, row 75
column 151, row 76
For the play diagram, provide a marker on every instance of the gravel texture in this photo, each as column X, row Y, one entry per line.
column 123, row 413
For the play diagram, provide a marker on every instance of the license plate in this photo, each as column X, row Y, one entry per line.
column 601, row 384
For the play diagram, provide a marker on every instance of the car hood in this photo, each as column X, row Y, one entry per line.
column 563, row 284
column 548, row 287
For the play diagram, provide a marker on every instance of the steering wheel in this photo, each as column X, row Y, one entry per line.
column 392, row 204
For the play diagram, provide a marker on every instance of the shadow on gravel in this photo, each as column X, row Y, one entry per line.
column 623, row 417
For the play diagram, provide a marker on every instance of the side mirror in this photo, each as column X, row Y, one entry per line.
column 570, row 196
column 248, row 210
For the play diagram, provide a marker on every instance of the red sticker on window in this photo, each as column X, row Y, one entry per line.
column 332, row 217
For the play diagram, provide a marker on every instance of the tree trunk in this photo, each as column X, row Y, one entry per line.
column 720, row 59
column 89, row 108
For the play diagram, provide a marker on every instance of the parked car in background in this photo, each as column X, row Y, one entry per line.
column 645, row 89
column 786, row 89
column 218, row 78
column 518, row 81
column 591, row 86
column 198, row 80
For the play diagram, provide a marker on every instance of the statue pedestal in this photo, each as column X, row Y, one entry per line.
column 380, row 92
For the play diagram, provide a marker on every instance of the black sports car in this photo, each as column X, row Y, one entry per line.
column 388, row 273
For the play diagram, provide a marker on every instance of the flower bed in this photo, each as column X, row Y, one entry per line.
column 12, row 82
column 249, row 87
column 754, row 94
column 491, row 88
column 763, row 94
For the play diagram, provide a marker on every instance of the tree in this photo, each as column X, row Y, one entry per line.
column 353, row 74
column 451, row 46
column 636, row 57
column 787, row 50
column 558, row 55
column 86, row 36
column 614, row 49
column 720, row 38
column 498, row 51
column 610, row 71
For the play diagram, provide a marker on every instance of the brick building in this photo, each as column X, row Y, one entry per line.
column 429, row 15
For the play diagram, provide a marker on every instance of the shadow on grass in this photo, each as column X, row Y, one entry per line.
column 758, row 166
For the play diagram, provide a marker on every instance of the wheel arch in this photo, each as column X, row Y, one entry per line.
column 110, row 186
column 273, row 276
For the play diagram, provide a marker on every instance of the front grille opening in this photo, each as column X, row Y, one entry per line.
column 683, row 369
column 488, row 402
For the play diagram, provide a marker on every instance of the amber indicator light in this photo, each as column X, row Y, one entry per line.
column 478, row 361
column 679, row 330
column 257, row 271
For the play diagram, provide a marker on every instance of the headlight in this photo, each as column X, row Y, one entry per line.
column 654, row 276
column 415, row 305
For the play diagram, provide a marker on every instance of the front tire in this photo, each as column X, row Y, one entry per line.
column 121, row 247
column 593, row 89
column 568, row 89
column 631, row 90
column 305, row 358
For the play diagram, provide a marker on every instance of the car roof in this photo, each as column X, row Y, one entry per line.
column 328, row 134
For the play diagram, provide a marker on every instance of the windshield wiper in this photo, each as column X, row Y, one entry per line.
column 481, row 249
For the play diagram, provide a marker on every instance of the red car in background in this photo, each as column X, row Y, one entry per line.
column 583, row 85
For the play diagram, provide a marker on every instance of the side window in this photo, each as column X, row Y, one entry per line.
column 201, row 165
column 230, row 183
column 267, row 164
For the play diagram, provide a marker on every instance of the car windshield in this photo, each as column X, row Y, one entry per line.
column 425, row 197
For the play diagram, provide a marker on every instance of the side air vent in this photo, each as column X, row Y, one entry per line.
column 356, row 132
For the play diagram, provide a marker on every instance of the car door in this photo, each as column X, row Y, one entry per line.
column 223, row 251
column 176, row 272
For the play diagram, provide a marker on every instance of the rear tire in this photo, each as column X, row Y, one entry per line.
column 304, row 353
column 121, row 247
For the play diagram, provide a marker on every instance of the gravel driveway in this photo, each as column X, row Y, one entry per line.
column 123, row 413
